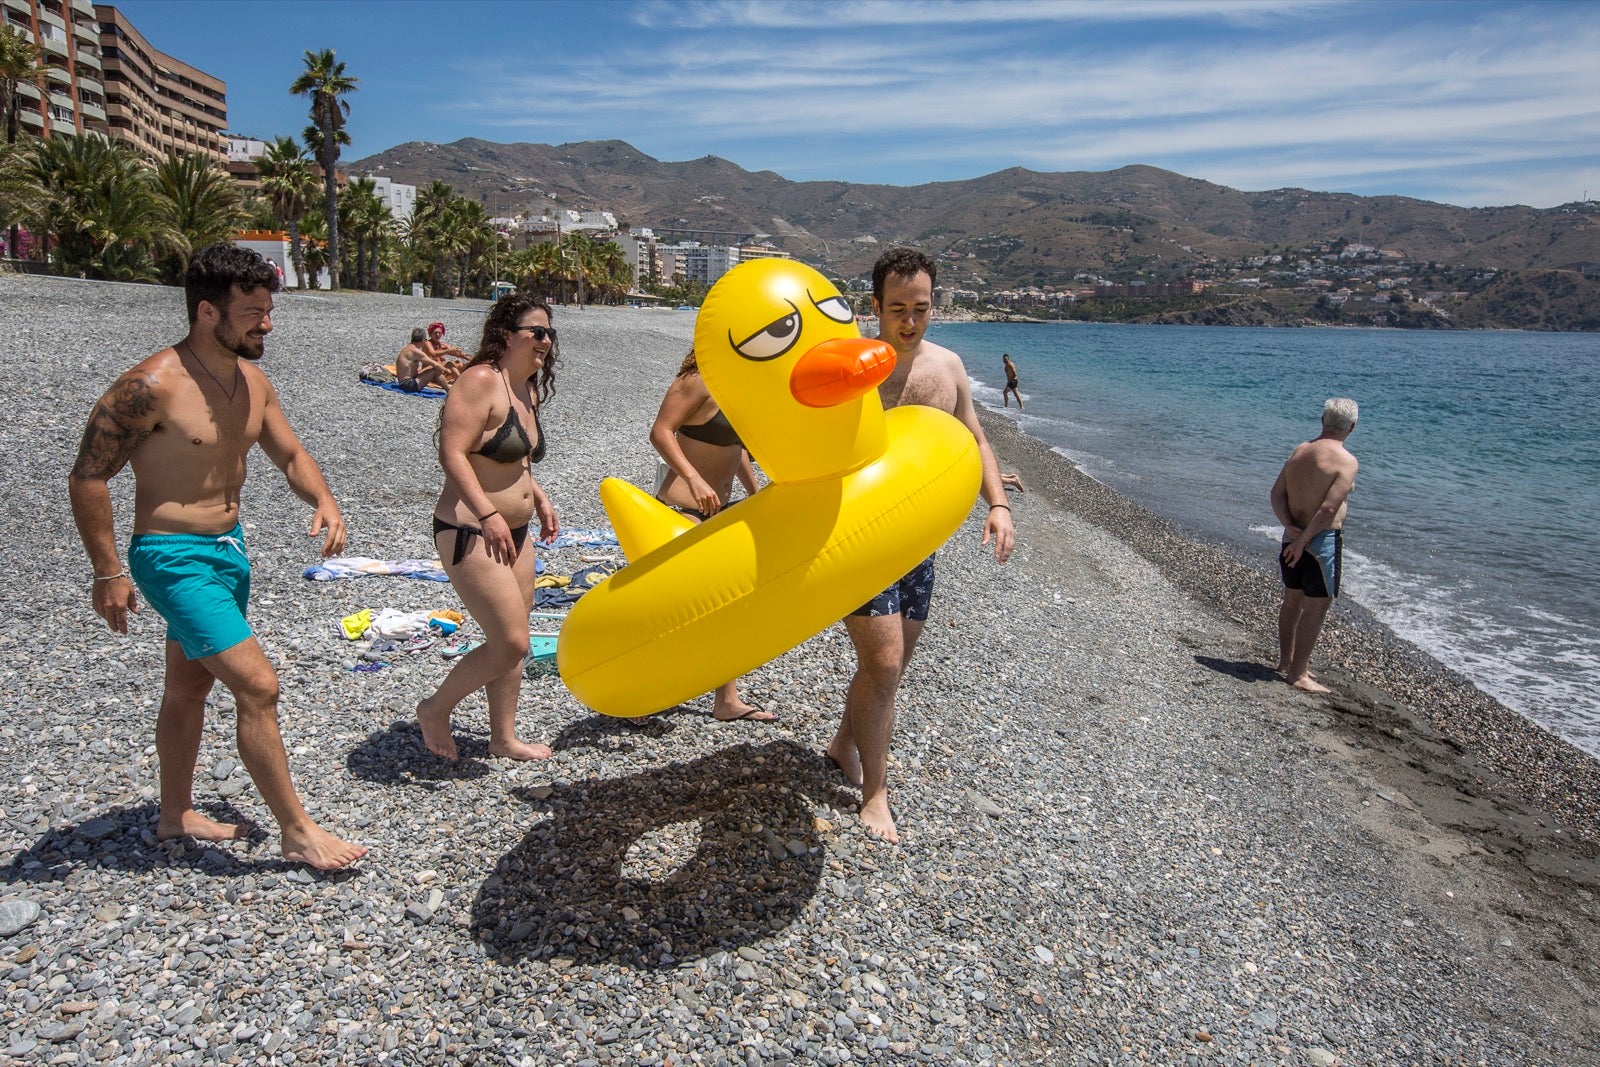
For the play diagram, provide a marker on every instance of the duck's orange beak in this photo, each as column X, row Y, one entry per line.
column 840, row 369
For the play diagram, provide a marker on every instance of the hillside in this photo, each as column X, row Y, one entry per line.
column 1013, row 227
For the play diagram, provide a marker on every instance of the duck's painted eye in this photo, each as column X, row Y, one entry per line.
column 836, row 308
column 773, row 341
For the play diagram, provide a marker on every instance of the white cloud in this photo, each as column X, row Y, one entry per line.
column 973, row 88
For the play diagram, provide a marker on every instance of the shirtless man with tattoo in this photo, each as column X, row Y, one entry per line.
column 885, row 630
column 185, row 419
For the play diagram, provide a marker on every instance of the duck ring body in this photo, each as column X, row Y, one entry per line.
column 858, row 496
column 758, row 579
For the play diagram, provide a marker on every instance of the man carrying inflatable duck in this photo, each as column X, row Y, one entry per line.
column 885, row 630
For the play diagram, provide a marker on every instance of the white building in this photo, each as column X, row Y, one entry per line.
column 400, row 199
column 245, row 149
column 696, row 262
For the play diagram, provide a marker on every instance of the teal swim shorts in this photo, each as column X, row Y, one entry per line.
column 199, row 583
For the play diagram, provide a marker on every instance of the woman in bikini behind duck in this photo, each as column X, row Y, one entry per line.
column 703, row 454
column 489, row 438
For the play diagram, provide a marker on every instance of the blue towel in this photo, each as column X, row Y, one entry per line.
column 393, row 387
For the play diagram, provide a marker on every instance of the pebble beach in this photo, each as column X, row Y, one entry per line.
column 1123, row 840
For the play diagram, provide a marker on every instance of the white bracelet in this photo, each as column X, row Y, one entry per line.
column 111, row 577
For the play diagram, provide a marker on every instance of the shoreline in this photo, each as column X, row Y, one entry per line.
column 1122, row 840
column 1389, row 686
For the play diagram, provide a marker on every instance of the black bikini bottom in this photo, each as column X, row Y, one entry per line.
column 465, row 534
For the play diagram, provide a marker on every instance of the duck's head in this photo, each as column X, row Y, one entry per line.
column 778, row 347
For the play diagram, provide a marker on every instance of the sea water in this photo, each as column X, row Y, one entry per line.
column 1471, row 528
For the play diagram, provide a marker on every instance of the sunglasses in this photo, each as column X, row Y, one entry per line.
column 539, row 332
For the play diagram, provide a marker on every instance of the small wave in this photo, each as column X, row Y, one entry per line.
column 1543, row 668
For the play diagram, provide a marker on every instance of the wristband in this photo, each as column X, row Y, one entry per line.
column 993, row 506
column 111, row 577
column 486, row 516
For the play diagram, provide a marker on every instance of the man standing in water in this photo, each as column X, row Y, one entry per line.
column 185, row 419
column 1310, row 498
column 1011, row 383
column 885, row 630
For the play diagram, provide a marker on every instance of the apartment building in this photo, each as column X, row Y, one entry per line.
column 69, row 96
column 399, row 198
column 154, row 101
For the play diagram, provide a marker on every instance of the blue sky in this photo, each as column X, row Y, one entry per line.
column 1467, row 103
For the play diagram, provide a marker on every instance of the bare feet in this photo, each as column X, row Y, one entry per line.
column 436, row 732
column 876, row 818
column 732, row 711
column 1010, row 480
column 192, row 824
column 317, row 848
column 847, row 758
column 1310, row 685
column 515, row 749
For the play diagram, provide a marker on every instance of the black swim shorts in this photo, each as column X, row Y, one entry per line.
column 1324, row 553
column 910, row 597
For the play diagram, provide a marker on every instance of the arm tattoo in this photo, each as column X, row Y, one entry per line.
column 116, row 429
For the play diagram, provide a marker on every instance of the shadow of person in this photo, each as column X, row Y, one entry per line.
column 665, row 866
column 123, row 838
column 1242, row 669
column 615, row 734
column 396, row 755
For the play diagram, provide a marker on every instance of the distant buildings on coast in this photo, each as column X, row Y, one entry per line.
column 99, row 75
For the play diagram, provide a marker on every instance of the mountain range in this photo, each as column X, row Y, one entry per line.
column 1013, row 227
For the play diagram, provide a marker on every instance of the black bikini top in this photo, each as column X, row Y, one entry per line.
column 716, row 430
column 510, row 442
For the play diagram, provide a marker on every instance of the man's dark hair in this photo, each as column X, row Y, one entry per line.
column 216, row 269
column 903, row 263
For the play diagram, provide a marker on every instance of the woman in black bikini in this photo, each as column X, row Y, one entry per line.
column 489, row 437
column 703, row 454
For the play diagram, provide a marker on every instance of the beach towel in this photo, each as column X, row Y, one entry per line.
column 602, row 538
column 363, row 567
column 429, row 393
column 561, row 596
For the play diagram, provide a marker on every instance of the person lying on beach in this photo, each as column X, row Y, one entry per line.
column 489, row 438
column 885, row 630
column 415, row 370
column 184, row 419
column 703, row 454
column 1310, row 497
column 1013, row 481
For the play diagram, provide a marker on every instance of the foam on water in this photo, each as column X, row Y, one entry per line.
column 1477, row 456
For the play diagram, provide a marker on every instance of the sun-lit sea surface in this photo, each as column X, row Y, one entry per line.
column 1471, row 527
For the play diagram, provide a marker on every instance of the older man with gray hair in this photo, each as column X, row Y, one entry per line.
column 1310, row 498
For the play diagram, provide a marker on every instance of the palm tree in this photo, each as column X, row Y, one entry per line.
column 325, row 81
column 202, row 203
column 362, row 215
column 287, row 180
column 102, row 206
column 470, row 235
column 547, row 270
column 428, row 226
column 19, row 61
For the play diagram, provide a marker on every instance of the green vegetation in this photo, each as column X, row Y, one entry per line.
column 325, row 82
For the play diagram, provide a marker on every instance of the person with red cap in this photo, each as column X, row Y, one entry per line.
column 435, row 347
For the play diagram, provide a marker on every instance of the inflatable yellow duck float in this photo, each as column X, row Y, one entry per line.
column 857, row 497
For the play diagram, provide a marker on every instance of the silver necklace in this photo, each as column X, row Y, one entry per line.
column 213, row 377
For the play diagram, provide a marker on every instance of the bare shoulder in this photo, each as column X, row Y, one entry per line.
column 144, row 388
column 941, row 357
column 476, row 387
